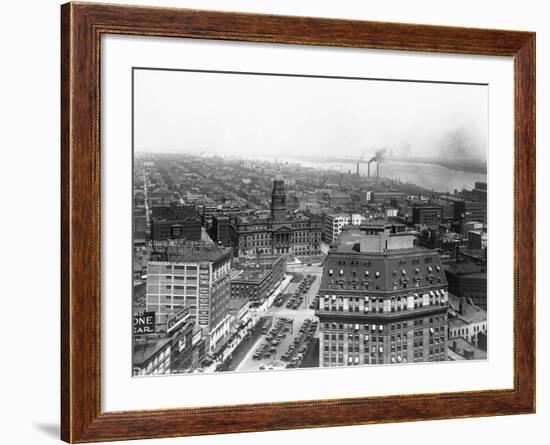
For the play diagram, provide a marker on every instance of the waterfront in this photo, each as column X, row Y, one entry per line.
column 429, row 176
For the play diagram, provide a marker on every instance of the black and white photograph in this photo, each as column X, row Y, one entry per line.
column 286, row 221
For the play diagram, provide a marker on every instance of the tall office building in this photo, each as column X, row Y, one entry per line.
column 196, row 275
column 334, row 222
column 382, row 300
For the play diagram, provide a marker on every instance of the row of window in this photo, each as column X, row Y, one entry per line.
column 170, row 268
column 380, row 306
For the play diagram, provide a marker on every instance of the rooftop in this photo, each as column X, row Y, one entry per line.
column 386, row 271
column 235, row 304
column 250, row 275
column 461, row 347
column 193, row 252
column 469, row 313
column 465, row 268
column 144, row 351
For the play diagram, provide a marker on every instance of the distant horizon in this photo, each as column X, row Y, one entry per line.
column 297, row 158
column 240, row 114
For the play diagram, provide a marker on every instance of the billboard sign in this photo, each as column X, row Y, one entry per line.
column 176, row 321
column 204, row 295
column 144, row 323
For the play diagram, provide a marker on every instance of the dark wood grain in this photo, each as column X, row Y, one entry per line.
column 81, row 29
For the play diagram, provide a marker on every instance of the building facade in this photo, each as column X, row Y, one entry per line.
column 477, row 239
column 465, row 211
column 278, row 233
column 467, row 321
column 219, row 230
column 427, row 214
column 382, row 300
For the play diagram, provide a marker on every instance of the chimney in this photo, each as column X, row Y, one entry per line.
column 368, row 170
column 378, row 169
column 358, row 169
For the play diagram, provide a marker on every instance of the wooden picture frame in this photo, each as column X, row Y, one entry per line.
column 82, row 26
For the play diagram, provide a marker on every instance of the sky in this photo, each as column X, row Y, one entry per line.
column 260, row 115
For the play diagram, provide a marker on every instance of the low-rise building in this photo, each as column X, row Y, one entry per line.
column 379, row 197
column 466, row 320
column 152, row 356
column 461, row 349
column 256, row 278
column 466, row 211
column 175, row 222
column 477, row 239
column 469, row 280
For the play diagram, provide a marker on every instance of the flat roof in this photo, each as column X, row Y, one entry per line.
column 462, row 345
column 470, row 313
column 144, row 351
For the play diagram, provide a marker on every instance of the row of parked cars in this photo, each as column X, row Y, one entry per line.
column 315, row 302
column 296, row 300
column 298, row 349
column 279, row 330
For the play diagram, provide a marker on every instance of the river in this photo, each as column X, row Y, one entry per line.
column 430, row 176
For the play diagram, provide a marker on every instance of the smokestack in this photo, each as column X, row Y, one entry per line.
column 358, row 169
column 378, row 169
column 368, row 170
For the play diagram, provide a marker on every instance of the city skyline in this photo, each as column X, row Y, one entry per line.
column 306, row 222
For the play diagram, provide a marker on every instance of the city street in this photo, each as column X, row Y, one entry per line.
column 298, row 317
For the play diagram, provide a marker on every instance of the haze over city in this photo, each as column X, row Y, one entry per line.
column 311, row 118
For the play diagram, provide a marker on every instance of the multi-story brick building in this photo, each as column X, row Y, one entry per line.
column 382, row 300
column 256, row 278
column 175, row 222
column 427, row 214
column 219, row 229
column 467, row 321
column 278, row 233
column 469, row 280
column 465, row 211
